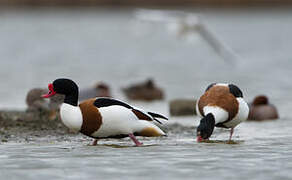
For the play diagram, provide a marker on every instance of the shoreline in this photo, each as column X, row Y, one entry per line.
column 22, row 126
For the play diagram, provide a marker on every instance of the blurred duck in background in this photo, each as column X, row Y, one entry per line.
column 101, row 89
column 261, row 109
column 144, row 91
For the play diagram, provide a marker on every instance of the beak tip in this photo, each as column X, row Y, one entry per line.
column 44, row 96
column 199, row 139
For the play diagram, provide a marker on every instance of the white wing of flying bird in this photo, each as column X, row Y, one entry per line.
column 161, row 16
column 189, row 23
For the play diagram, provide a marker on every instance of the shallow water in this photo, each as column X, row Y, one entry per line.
column 263, row 152
column 88, row 45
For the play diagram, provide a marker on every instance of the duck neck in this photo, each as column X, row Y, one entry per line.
column 72, row 99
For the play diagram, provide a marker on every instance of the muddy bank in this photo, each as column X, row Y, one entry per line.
column 21, row 126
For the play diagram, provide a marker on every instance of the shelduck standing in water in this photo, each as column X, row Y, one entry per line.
column 103, row 117
column 222, row 105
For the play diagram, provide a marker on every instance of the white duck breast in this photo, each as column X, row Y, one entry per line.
column 71, row 116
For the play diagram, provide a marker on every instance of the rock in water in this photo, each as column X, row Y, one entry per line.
column 182, row 107
column 145, row 91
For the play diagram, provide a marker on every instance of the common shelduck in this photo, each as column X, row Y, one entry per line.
column 103, row 117
column 222, row 105
column 145, row 91
column 261, row 109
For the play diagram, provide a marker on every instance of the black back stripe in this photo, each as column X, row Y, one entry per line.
column 211, row 85
column 105, row 102
column 235, row 90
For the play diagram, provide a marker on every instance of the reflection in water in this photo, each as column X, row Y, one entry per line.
column 121, row 146
column 222, row 142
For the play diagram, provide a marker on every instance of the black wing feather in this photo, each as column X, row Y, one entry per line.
column 105, row 102
column 158, row 121
column 154, row 115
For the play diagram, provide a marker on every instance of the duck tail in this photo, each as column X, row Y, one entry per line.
column 155, row 116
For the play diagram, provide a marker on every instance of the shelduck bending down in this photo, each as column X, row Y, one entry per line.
column 103, row 117
column 222, row 105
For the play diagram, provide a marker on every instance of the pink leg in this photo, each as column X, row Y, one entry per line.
column 231, row 132
column 135, row 140
column 94, row 143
